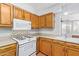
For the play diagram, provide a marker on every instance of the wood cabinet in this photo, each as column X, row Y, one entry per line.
column 8, row 12
column 8, row 50
column 72, row 49
column 72, row 52
column 34, row 20
column 45, row 46
column 40, row 54
column 6, row 15
column 42, row 21
column 38, row 45
column 18, row 13
column 52, row 47
column 27, row 16
column 47, row 21
column 50, row 20
column 58, row 50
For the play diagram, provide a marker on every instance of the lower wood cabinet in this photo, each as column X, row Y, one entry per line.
column 9, row 53
column 40, row 54
column 50, row 47
column 72, row 52
column 58, row 50
column 45, row 46
column 38, row 45
column 8, row 50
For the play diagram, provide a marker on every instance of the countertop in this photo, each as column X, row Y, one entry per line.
column 62, row 38
column 6, row 40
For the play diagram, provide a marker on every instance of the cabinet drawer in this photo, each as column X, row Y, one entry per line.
column 72, row 45
column 59, row 42
column 7, row 48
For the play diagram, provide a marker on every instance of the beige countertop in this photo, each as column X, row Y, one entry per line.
column 62, row 38
column 5, row 40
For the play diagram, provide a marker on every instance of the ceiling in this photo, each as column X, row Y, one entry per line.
column 41, row 6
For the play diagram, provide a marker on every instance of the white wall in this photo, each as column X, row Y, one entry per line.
column 72, row 10
column 5, row 31
column 73, row 15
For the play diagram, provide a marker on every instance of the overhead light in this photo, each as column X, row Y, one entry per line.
column 65, row 13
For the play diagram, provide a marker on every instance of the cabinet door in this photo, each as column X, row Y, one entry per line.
column 45, row 46
column 9, row 53
column 37, row 45
column 18, row 13
column 6, row 14
column 34, row 20
column 27, row 16
column 49, row 20
column 42, row 21
column 72, row 52
column 58, row 50
column 8, row 50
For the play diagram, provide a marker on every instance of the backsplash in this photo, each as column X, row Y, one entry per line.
column 5, row 31
column 24, row 32
column 8, row 31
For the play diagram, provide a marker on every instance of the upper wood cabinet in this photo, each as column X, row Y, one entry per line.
column 8, row 12
column 18, row 13
column 6, row 15
column 45, row 46
column 42, row 21
column 27, row 16
column 50, row 20
column 34, row 20
column 47, row 21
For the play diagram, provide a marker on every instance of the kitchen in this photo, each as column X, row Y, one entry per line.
column 39, row 29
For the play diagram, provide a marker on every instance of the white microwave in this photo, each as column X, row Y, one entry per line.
column 19, row 24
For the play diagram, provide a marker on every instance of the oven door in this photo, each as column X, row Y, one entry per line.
column 27, row 49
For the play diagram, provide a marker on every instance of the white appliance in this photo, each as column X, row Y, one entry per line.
column 26, row 45
column 27, row 49
column 21, row 24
